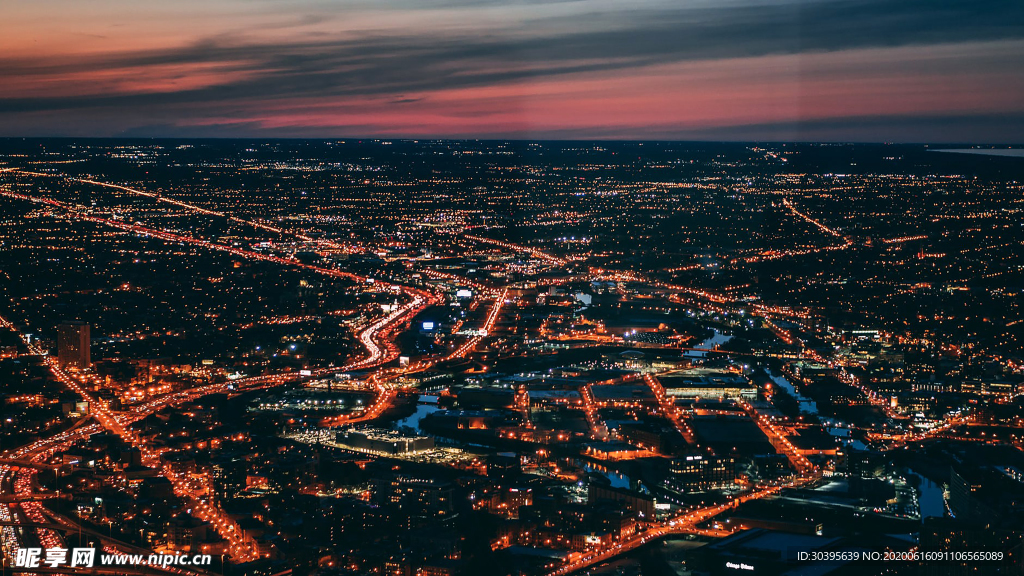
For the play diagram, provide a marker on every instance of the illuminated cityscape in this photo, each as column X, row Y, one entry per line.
column 512, row 357
column 512, row 288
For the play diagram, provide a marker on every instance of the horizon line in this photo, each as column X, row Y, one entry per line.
column 414, row 139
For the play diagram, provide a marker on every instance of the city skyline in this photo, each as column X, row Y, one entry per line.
column 815, row 70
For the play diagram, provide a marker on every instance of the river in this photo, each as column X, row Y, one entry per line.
column 427, row 405
column 930, row 499
column 716, row 340
column 807, row 406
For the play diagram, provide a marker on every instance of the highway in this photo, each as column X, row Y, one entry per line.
column 194, row 208
column 535, row 252
column 669, row 408
column 492, row 317
column 378, row 350
column 377, row 338
column 684, row 523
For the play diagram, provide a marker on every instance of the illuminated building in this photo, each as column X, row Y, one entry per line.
column 417, row 496
column 613, row 451
column 698, row 472
column 383, row 441
column 707, row 384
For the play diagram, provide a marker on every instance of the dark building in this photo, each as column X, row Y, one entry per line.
column 640, row 504
column 865, row 464
column 556, row 523
column 986, row 497
column 962, row 500
column 761, row 552
column 954, row 535
column 504, row 465
column 651, row 436
column 73, row 344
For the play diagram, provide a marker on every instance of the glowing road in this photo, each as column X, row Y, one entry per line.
column 376, row 338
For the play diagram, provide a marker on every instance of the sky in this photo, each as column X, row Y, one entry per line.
column 779, row 70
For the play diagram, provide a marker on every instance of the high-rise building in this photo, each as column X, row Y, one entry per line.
column 73, row 344
column 698, row 472
column 417, row 496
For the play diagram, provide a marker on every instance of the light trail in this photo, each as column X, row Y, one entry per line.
column 458, row 279
column 590, row 411
column 901, row 440
column 421, row 297
column 669, row 408
column 790, row 252
column 685, row 523
column 535, row 252
column 817, row 223
column 779, row 440
column 195, row 208
column 381, row 381
column 241, row 549
column 379, row 350
column 492, row 317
